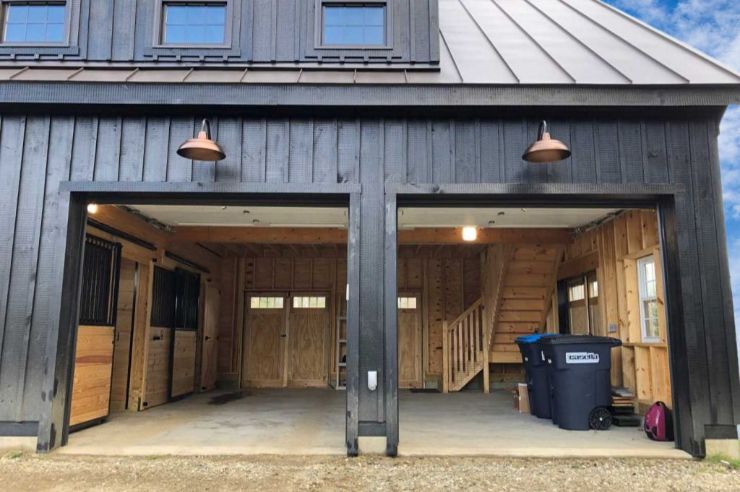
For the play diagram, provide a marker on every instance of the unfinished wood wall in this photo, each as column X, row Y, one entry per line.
column 282, row 270
column 92, row 379
column 449, row 280
column 148, row 376
column 612, row 249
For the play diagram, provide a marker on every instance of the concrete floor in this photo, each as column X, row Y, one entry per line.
column 311, row 421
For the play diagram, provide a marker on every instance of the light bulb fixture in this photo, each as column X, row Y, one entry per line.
column 546, row 149
column 92, row 208
column 201, row 148
column 469, row 233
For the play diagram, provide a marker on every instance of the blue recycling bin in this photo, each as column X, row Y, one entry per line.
column 535, row 372
column 579, row 369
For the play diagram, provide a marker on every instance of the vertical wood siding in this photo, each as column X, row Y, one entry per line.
column 38, row 152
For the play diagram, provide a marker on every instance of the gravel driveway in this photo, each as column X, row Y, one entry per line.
column 78, row 473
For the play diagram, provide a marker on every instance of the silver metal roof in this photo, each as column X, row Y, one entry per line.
column 487, row 42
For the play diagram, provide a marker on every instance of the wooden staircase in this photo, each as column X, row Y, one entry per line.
column 518, row 282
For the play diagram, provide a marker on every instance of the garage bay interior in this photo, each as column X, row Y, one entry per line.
column 232, row 322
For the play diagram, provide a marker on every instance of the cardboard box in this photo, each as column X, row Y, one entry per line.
column 523, row 400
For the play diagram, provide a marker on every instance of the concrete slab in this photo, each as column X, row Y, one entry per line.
column 472, row 423
column 311, row 422
column 300, row 422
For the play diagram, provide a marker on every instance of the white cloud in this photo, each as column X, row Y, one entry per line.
column 712, row 26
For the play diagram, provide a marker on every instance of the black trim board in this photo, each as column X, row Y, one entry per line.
column 19, row 429
column 194, row 95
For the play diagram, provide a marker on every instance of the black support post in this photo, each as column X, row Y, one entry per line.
column 391, row 325
column 56, row 393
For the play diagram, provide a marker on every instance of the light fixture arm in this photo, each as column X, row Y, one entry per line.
column 205, row 126
column 542, row 130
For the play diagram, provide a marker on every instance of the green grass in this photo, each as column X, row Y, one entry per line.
column 721, row 459
column 13, row 455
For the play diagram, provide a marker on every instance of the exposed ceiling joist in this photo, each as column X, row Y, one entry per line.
column 437, row 235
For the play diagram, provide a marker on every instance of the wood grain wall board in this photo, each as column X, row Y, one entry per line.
column 157, row 376
column 92, row 380
column 308, row 347
column 123, row 337
column 184, row 351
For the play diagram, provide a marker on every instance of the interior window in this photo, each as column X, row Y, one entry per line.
column 583, row 305
column 266, row 302
column 194, row 23
column 407, row 303
column 34, row 22
column 309, row 302
column 648, row 299
column 353, row 24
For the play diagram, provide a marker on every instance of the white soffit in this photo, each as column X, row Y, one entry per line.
column 244, row 216
column 409, row 218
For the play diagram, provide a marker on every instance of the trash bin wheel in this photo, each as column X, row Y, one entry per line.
column 600, row 418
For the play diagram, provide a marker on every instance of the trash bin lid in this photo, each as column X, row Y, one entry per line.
column 581, row 339
column 534, row 337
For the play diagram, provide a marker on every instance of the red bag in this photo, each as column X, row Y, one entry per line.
column 658, row 422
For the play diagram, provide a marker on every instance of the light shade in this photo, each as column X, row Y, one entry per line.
column 92, row 208
column 469, row 233
column 201, row 148
column 546, row 149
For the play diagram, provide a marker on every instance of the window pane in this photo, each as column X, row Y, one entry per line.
column 194, row 24
column 34, row 23
column 353, row 25
column 17, row 14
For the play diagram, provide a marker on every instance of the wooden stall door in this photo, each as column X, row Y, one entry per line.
column 92, row 379
column 264, row 349
column 409, row 341
column 210, row 332
column 123, row 336
column 308, row 340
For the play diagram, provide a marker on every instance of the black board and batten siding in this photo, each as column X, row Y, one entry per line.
column 259, row 32
column 38, row 152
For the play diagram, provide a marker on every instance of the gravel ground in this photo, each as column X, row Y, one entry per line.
column 57, row 472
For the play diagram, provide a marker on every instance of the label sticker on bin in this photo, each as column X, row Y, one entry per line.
column 581, row 358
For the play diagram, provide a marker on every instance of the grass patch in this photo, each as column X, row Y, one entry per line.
column 13, row 455
column 720, row 459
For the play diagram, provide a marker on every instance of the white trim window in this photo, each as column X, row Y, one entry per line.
column 266, row 302
column 309, row 302
column 648, row 299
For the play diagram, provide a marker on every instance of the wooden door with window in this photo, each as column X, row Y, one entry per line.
column 409, row 341
column 264, row 341
column 308, row 340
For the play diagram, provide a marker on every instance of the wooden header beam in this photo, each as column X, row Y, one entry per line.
column 323, row 235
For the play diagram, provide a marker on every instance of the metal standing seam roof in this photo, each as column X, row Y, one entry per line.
column 482, row 42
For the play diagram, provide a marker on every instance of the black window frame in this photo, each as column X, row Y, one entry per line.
column 163, row 298
column 70, row 44
column 319, row 28
column 187, row 300
column 232, row 29
column 99, row 286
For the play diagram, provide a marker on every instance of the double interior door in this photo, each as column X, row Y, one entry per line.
column 286, row 340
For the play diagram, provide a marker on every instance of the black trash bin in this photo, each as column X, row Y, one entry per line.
column 535, row 372
column 580, row 381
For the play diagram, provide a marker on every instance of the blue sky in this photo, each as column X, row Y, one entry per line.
column 712, row 26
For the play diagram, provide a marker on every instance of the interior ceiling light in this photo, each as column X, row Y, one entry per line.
column 201, row 148
column 469, row 233
column 92, row 208
column 546, row 149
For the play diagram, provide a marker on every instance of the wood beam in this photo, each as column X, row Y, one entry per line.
column 323, row 235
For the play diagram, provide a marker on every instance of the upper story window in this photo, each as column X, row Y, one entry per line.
column 194, row 23
column 353, row 24
column 34, row 22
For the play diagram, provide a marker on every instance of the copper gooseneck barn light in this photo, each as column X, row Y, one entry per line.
column 201, row 148
column 546, row 149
